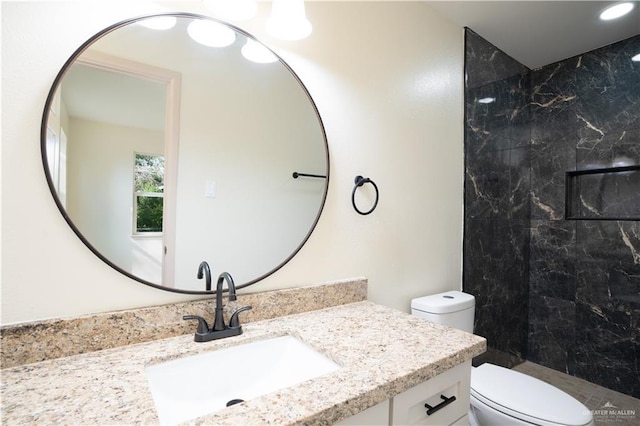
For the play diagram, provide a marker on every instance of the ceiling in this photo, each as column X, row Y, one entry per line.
column 98, row 94
column 537, row 33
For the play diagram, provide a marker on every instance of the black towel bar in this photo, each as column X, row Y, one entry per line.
column 296, row 175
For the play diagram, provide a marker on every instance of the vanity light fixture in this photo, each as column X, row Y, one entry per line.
column 235, row 10
column 159, row 22
column 616, row 11
column 256, row 52
column 288, row 20
column 486, row 100
column 210, row 33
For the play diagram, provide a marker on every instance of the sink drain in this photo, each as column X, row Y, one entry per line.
column 234, row 402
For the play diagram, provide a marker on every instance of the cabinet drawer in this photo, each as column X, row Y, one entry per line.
column 408, row 408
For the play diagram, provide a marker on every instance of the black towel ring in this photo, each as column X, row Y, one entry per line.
column 359, row 181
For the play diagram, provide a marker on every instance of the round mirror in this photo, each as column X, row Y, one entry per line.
column 173, row 139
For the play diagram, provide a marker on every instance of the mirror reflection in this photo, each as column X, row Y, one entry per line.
column 164, row 149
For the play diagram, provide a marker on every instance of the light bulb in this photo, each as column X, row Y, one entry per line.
column 159, row 22
column 210, row 33
column 288, row 20
column 256, row 52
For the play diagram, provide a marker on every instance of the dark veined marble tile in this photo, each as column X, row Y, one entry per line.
column 582, row 275
column 553, row 96
column 520, row 86
column 553, row 137
column 496, row 254
column 553, row 259
column 497, row 184
column 515, row 103
column 607, row 80
column 521, row 127
column 496, row 272
column 520, row 135
column 492, row 102
column 486, row 185
column 486, row 128
column 608, row 266
column 519, row 183
column 499, row 114
column 618, row 148
column 500, row 317
column 607, row 346
column 552, row 325
column 626, row 151
column 549, row 163
column 479, row 142
column 614, row 195
column 485, row 63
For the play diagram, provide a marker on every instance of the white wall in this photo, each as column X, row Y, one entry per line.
column 387, row 78
column 99, row 195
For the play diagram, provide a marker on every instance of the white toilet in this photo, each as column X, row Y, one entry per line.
column 500, row 396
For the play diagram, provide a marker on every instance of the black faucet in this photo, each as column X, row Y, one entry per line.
column 219, row 330
column 204, row 267
column 218, row 323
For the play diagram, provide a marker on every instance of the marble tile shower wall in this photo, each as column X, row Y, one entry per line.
column 579, row 280
column 497, row 186
column 584, row 299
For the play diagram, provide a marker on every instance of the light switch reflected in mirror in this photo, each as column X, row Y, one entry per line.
column 175, row 152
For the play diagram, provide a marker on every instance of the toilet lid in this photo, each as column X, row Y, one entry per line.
column 526, row 397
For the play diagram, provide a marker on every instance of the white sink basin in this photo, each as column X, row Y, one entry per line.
column 190, row 387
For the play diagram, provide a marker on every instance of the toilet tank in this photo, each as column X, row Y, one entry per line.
column 452, row 308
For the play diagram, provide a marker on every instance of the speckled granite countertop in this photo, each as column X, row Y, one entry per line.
column 382, row 352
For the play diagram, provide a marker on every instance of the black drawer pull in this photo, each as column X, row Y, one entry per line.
column 446, row 401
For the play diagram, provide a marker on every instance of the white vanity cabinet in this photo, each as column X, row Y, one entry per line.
column 408, row 408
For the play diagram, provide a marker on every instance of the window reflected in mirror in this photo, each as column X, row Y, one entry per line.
column 148, row 182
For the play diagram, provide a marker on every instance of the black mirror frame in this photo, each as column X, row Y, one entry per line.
column 61, row 208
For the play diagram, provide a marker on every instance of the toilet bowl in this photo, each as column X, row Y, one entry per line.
column 500, row 396
column 506, row 397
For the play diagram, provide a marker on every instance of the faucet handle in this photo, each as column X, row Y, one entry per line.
column 234, row 322
column 203, row 327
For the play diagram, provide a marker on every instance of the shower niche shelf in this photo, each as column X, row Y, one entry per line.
column 603, row 194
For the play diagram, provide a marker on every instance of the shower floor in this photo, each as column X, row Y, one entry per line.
column 609, row 407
